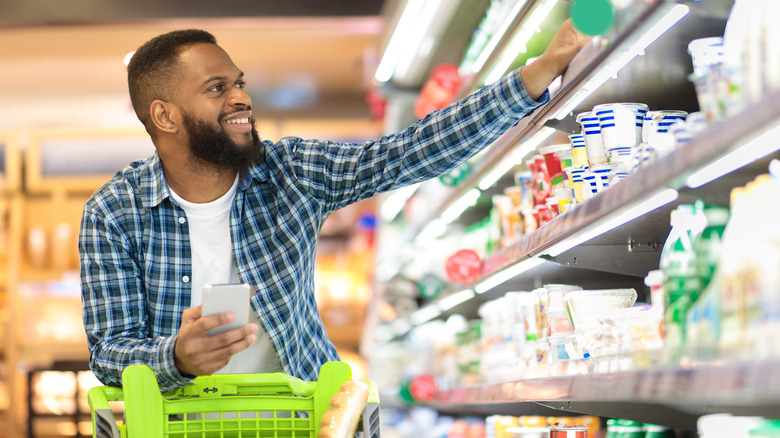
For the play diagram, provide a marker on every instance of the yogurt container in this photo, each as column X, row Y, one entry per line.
column 621, row 124
column 591, row 132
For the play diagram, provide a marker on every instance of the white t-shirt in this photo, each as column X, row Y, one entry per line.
column 212, row 262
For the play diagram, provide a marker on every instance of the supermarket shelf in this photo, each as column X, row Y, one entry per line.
column 633, row 248
column 670, row 171
column 672, row 396
column 592, row 62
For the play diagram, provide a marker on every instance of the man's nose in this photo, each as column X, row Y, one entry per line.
column 239, row 97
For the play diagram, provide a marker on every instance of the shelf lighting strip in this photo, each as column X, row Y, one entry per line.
column 515, row 157
column 408, row 34
column 612, row 68
column 520, row 40
column 395, row 202
column 424, row 314
column 653, row 202
column 759, row 147
column 453, row 300
column 506, row 275
column 497, row 36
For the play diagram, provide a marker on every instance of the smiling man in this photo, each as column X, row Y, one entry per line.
column 215, row 204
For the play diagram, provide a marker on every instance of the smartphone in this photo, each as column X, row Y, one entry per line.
column 233, row 298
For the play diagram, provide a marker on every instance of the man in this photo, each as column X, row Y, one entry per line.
column 217, row 205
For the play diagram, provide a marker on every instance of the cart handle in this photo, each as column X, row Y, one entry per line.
column 245, row 384
column 103, row 419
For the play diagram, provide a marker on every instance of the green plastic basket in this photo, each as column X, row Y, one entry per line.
column 224, row 405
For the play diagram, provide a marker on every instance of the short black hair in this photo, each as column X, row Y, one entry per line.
column 152, row 69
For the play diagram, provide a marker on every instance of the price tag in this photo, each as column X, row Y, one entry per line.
column 464, row 266
column 423, row 388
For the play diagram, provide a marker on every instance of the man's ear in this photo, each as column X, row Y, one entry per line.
column 164, row 116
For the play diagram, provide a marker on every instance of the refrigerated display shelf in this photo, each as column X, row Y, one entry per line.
column 669, row 172
column 673, row 396
column 592, row 62
column 588, row 237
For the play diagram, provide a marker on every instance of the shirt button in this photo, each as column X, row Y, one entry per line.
column 182, row 220
column 185, row 279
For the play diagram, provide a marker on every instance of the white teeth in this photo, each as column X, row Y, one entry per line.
column 238, row 121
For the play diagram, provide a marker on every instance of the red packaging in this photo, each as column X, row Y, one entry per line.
column 568, row 432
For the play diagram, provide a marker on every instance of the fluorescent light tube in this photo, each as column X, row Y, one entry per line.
column 507, row 274
column 456, row 209
column 520, row 39
column 612, row 68
column 497, row 36
column 424, row 314
column 400, row 41
column 395, row 202
column 435, row 229
column 515, row 157
column 759, row 147
column 600, row 227
column 453, row 300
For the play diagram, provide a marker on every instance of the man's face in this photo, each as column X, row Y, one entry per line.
column 216, row 112
column 212, row 144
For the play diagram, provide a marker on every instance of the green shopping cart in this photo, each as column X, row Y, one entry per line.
column 225, row 405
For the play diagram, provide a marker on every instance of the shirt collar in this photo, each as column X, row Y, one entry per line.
column 155, row 188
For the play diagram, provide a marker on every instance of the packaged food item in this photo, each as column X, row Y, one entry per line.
column 592, row 134
column 578, row 150
column 542, row 187
column 568, row 432
column 678, row 264
column 621, row 124
column 656, row 131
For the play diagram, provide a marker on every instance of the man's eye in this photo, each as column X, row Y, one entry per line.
column 216, row 88
column 240, row 84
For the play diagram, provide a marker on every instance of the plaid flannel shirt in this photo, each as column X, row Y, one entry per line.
column 134, row 238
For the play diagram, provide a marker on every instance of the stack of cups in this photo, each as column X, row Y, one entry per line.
column 578, row 151
column 621, row 132
column 591, row 132
column 577, row 182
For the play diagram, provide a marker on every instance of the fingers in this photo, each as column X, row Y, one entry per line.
column 191, row 315
column 198, row 354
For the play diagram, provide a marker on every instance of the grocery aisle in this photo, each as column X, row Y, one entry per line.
column 601, row 257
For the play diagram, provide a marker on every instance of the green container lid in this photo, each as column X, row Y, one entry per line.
column 767, row 429
column 592, row 17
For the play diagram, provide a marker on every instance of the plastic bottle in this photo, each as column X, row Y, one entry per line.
column 655, row 431
column 709, row 244
column 678, row 264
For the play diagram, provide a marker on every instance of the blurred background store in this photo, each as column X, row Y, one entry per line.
column 507, row 296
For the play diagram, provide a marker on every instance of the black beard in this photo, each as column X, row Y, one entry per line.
column 214, row 145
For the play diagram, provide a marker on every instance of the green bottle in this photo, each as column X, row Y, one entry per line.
column 703, row 318
column 631, row 429
column 656, row 431
column 681, row 282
